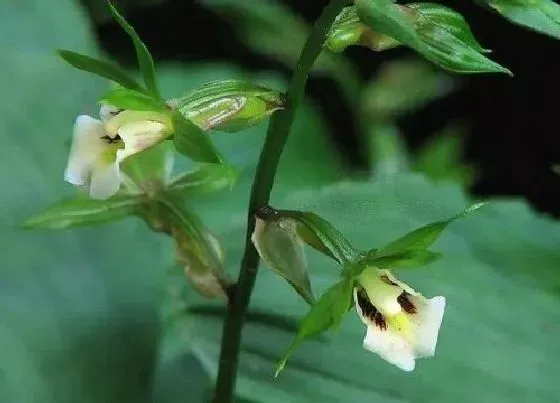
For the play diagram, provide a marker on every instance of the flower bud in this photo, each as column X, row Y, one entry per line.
column 281, row 249
column 202, row 264
column 228, row 106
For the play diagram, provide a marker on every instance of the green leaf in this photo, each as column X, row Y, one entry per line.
column 539, row 15
column 425, row 236
column 324, row 314
column 79, row 212
column 505, row 257
column 436, row 32
column 101, row 68
column 191, row 141
column 408, row 259
column 125, row 98
column 145, row 61
column 324, row 235
column 206, row 178
column 281, row 249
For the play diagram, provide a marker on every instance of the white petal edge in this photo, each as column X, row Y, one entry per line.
column 105, row 181
column 429, row 320
column 106, row 112
column 86, row 146
column 390, row 346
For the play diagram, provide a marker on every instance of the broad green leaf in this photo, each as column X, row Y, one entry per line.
column 539, row 15
column 425, row 236
column 281, row 249
column 101, row 68
column 323, row 234
column 505, row 258
column 407, row 259
column 145, row 61
column 324, row 314
column 206, row 178
column 83, row 211
column 436, row 32
column 78, row 307
column 125, row 98
column 191, row 141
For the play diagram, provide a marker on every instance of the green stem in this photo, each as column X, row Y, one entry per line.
column 277, row 134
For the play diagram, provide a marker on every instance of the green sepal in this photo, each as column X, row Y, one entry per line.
column 100, row 68
column 326, row 313
column 424, row 237
column 125, row 98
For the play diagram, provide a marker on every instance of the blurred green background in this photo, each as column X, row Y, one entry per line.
column 98, row 315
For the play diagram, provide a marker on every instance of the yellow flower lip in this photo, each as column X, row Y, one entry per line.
column 113, row 124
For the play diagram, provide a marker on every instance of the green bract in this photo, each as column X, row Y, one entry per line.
column 83, row 211
column 438, row 33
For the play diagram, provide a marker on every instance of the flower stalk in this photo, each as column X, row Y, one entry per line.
column 276, row 137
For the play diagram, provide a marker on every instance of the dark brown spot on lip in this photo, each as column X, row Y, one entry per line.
column 370, row 311
column 387, row 280
column 111, row 140
column 405, row 303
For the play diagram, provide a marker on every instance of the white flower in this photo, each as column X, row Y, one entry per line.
column 99, row 146
column 402, row 325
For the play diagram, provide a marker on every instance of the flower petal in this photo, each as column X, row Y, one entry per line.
column 138, row 136
column 105, row 181
column 429, row 318
column 86, row 146
column 390, row 346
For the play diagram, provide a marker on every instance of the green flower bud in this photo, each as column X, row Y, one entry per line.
column 281, row 249
column 228, row 106
column 348, row 30
column 202, row 264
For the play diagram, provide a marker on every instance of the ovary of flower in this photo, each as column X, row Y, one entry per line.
column 99, row 146
column 402, row 325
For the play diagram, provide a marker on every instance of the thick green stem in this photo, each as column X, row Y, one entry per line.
column 277, row 134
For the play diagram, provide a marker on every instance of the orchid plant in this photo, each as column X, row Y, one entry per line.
column 138, row 131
